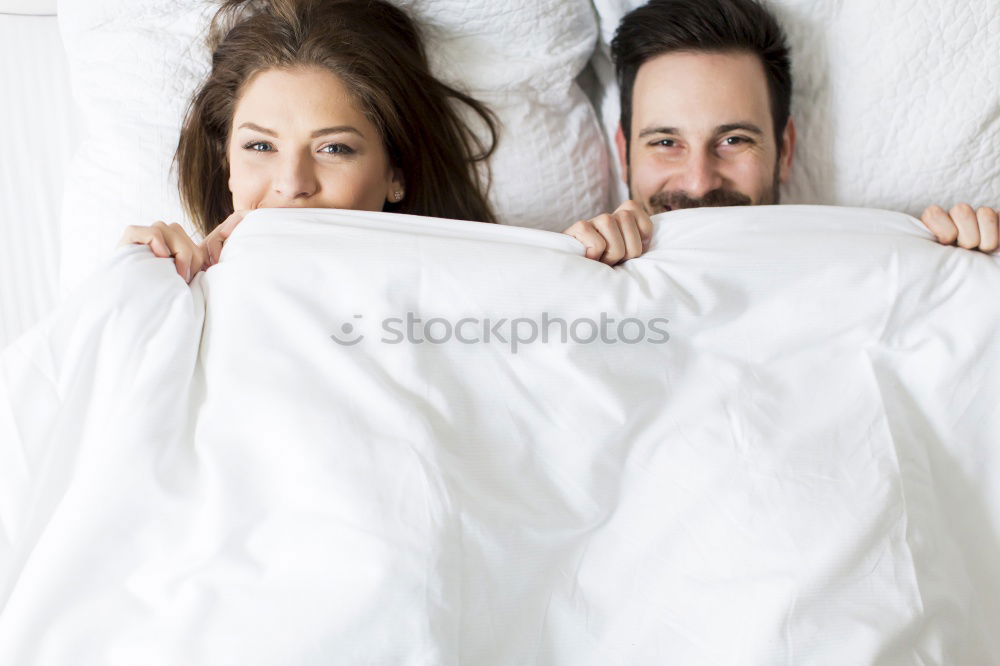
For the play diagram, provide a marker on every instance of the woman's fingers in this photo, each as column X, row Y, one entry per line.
column 213, row 243
column 168, row 241
column 188, row 257
column 230, row 223
column 212, row 246
column 151, row 236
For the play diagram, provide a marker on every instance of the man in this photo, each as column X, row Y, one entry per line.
column 705, row 91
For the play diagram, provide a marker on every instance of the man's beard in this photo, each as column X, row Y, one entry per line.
column 677, row 199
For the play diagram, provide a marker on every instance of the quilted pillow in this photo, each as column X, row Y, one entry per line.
column 134, row 64
column 896, row 107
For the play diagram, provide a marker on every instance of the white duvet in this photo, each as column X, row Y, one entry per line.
column 796, row 464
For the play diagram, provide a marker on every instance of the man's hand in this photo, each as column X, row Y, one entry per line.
column 977, row 229
column 611, row 238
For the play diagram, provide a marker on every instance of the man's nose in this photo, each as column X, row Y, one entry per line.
column 296, row 177
column 701, row 174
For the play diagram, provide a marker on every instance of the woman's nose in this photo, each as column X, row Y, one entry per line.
column 296, row 177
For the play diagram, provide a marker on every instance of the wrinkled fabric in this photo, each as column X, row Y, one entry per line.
column 776, row 445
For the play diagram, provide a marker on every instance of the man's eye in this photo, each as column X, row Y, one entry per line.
column 735, row 140
column 258, row 146
column 666, row 143
column 336, row 149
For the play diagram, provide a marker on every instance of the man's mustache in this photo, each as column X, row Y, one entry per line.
column 664, row 201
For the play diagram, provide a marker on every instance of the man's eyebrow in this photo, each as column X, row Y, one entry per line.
column 746, row 127
column 721, row 129
column 658, row 130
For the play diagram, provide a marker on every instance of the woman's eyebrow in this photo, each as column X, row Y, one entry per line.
column 257, row 128
column 335, row 130
column 318, row 133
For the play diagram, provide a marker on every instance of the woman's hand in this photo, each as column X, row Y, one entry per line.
column 212, row 245
column 168, row 240
column 611, row 238
column 973, row 229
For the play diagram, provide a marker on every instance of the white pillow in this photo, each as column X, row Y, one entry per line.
column 135, row 63
column 28, row 7
column 896, row 107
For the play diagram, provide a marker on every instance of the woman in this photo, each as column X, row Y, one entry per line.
column 331, row 104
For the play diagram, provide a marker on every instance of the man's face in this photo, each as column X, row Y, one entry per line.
column 702, row 133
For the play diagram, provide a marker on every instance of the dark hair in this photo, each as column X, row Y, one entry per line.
column 377, row 52
column 665, row 26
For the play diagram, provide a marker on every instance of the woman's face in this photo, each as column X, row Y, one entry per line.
column 298, row 141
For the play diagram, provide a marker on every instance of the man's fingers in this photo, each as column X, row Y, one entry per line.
column 623, row 234
column 972, row 229
column 591, row 238
column 645, row 227
column 989, row 228
column 615, row 249
column 940, row 224
column 641, row 217
column 968, row 226
column 629, row 228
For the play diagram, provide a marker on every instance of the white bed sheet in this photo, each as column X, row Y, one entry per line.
column 37, row 103
column 804, row 473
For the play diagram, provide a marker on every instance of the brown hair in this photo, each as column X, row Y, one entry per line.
column 667, row 26
column 376, row 50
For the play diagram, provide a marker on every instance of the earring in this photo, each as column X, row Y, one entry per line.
column 397, row 195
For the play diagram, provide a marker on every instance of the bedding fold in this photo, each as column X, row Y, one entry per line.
column 770, row 439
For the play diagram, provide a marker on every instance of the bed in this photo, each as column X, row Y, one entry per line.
column 857, row 124
column 39, row 104
column 800, row 470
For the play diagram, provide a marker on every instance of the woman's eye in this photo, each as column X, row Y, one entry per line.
column 258, row 146
column 336, row 149
column 666, row 143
